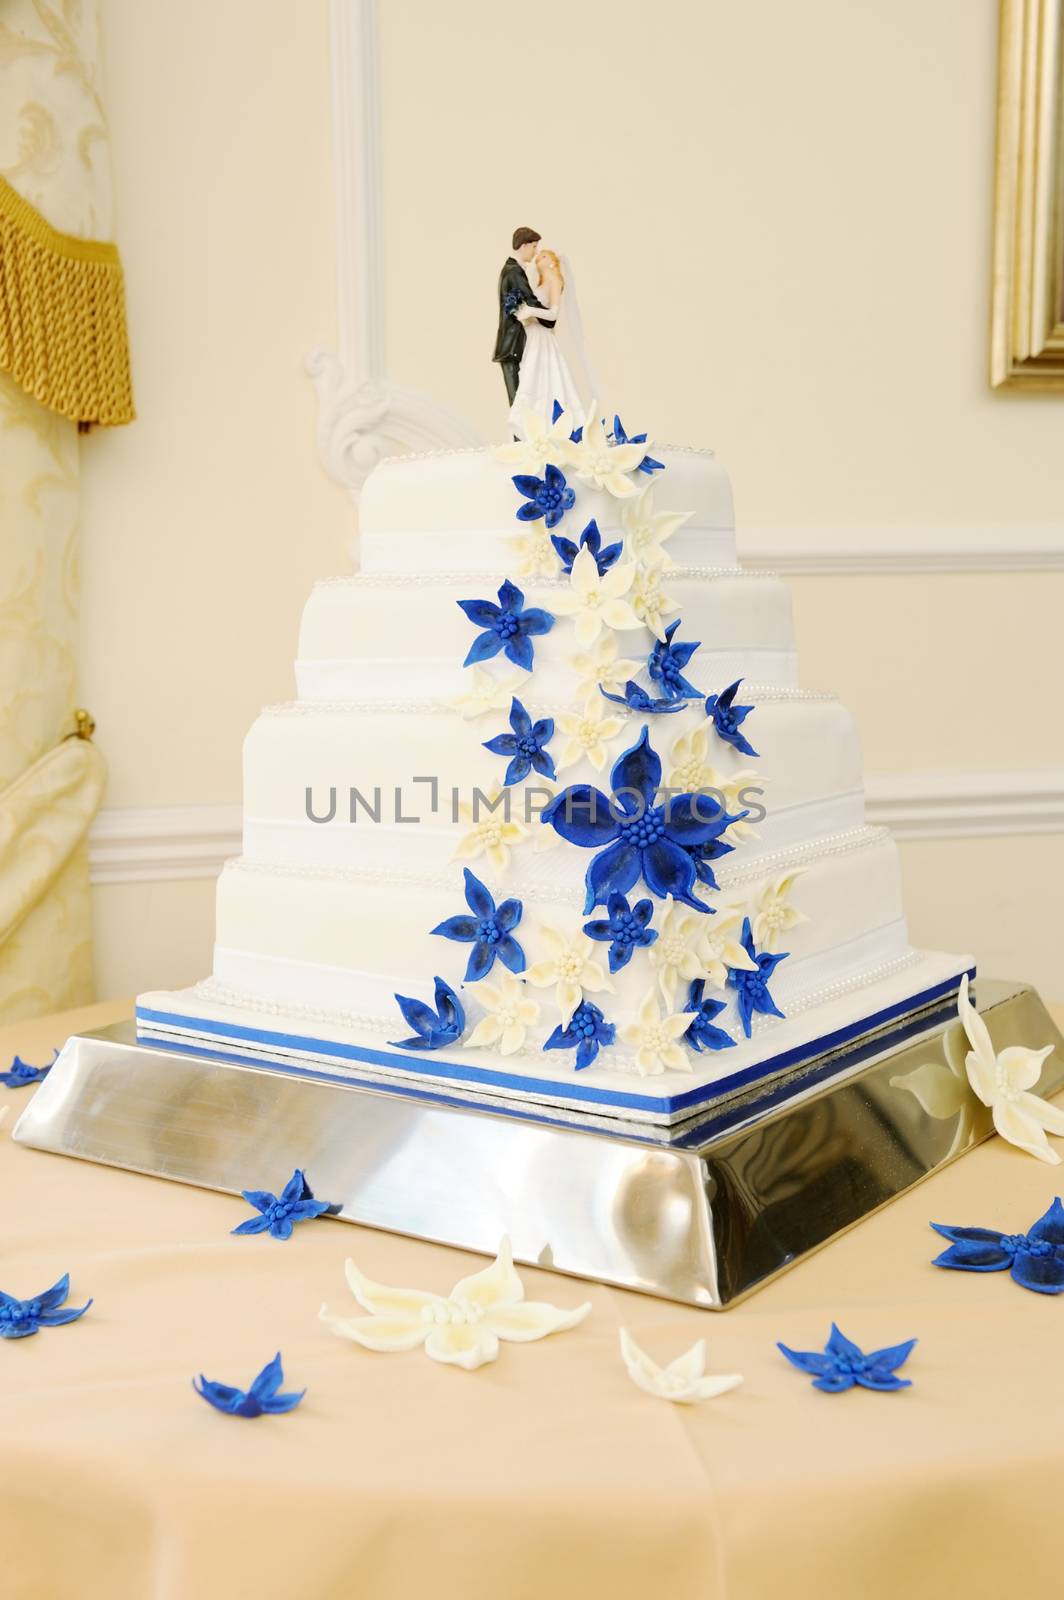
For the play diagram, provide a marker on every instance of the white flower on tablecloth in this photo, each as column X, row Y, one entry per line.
column 511, row 1011
column 648, row 602
column 692, row 773
column 774, row 913
column 536, row 556
column 543, row 444
column 602, row 465
column 654, row 1036
column 588, row 733
column 676, row 953
column 487, row 693
column 595, row 600
column 646, row 530
column 721, row 947
column 462, row 1329
column 571, row 968
column 601, row 668
column 683, row 1381
column 490, row 832
column 1004, row 1081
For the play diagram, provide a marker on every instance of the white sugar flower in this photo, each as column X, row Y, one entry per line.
column 601, row 668
column 588, row 733
column 486, row 693
column 677, row 951
column 650, row 605
column 571, row 968
column 603, row 465
column 491, row 829
column 691, row 772
column 461, row 1329
column 594, row 599
column 543, row 444
column 510, row 1013
column 1004, row 1083
column 683, row 1381
column 721, row 948
column 646, row 530
column 536, row 556
column 655, row 1037
column 774, row 913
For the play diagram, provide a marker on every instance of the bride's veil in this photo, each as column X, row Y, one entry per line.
column 569, row 332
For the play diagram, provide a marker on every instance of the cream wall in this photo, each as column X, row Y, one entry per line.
column 780, row 219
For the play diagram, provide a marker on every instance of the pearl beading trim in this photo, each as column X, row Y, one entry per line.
column 488, row 449
column 436, row 580
column 305, row 708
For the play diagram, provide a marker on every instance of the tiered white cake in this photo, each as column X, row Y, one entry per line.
column 360, row 837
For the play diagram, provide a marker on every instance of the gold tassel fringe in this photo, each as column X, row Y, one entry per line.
column 62, row 317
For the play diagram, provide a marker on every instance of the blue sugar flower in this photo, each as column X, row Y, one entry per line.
column 432, row 1029
column 703, row 854
column 590, row 539
column 751, row 987
column 20, row 1074
column 264, row 1398
column 20, row 1318
column 279, row 1213
column 625, row 929
column 701, row 1034
column 842, row 1364
column 507, row 627
column 727, row 716
column 525, row 745
column 1035, row 1258
column 548, row 497
column 489, row 930
column 648, row 464
column 588, row 1030
column 666, row 663
column 577, row 433
column 636, row 838
column 637, row 699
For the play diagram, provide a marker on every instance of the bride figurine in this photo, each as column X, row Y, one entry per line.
column 553, row 366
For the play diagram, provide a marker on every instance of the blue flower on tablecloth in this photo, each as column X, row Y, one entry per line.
column 525, row 745
column 278, row 1213
column 701, row 1033
column 704, row 854
column 20, row 1318
column 625, row 928
column 20, row 1074
column 432, row 1029
column 489, row 930
column 666, row 663
column 634, row 837
column 648, row 464
column 637, row 699
column 590, row 539
column 843, row 1365
column 549, row 497
column 1035, row 1258
column 751, row 987
column 587, row 1031
column 510, row 302
column 727, row 716
column 263, row 1399
column 507, row 627
column 577, row 433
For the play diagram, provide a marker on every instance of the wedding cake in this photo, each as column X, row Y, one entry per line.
column 551, row 825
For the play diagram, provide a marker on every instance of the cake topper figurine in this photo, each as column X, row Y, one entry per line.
column 539, row 344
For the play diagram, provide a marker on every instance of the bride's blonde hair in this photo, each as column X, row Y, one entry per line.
column 548, row 263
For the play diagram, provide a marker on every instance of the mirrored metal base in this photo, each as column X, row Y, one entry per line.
column 702, row 1213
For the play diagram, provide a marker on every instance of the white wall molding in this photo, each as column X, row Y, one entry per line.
column 363, row 415
column 1004, row 547
column 162, row 843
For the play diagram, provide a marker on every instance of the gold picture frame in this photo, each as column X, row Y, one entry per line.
column 1027, row 321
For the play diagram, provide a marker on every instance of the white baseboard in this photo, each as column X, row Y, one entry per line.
column 1025, row 547
column 159, row 843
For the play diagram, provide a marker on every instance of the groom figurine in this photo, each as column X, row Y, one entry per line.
column 514, row 291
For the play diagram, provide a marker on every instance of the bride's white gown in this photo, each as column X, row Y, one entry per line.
column 544, row 377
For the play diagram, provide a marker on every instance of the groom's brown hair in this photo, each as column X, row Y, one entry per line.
column 525, row 236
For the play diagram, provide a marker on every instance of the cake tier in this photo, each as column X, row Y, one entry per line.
column 394, row 785
column 376, row 638
column 453, row 511
column 349, row 941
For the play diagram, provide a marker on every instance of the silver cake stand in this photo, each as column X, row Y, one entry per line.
column 702, row 1212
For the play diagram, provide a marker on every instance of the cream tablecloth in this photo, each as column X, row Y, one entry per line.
column 547, row 1474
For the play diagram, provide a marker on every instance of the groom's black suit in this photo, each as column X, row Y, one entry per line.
column 510, row 342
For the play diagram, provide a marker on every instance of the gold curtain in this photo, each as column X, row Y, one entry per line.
column 63, row 362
